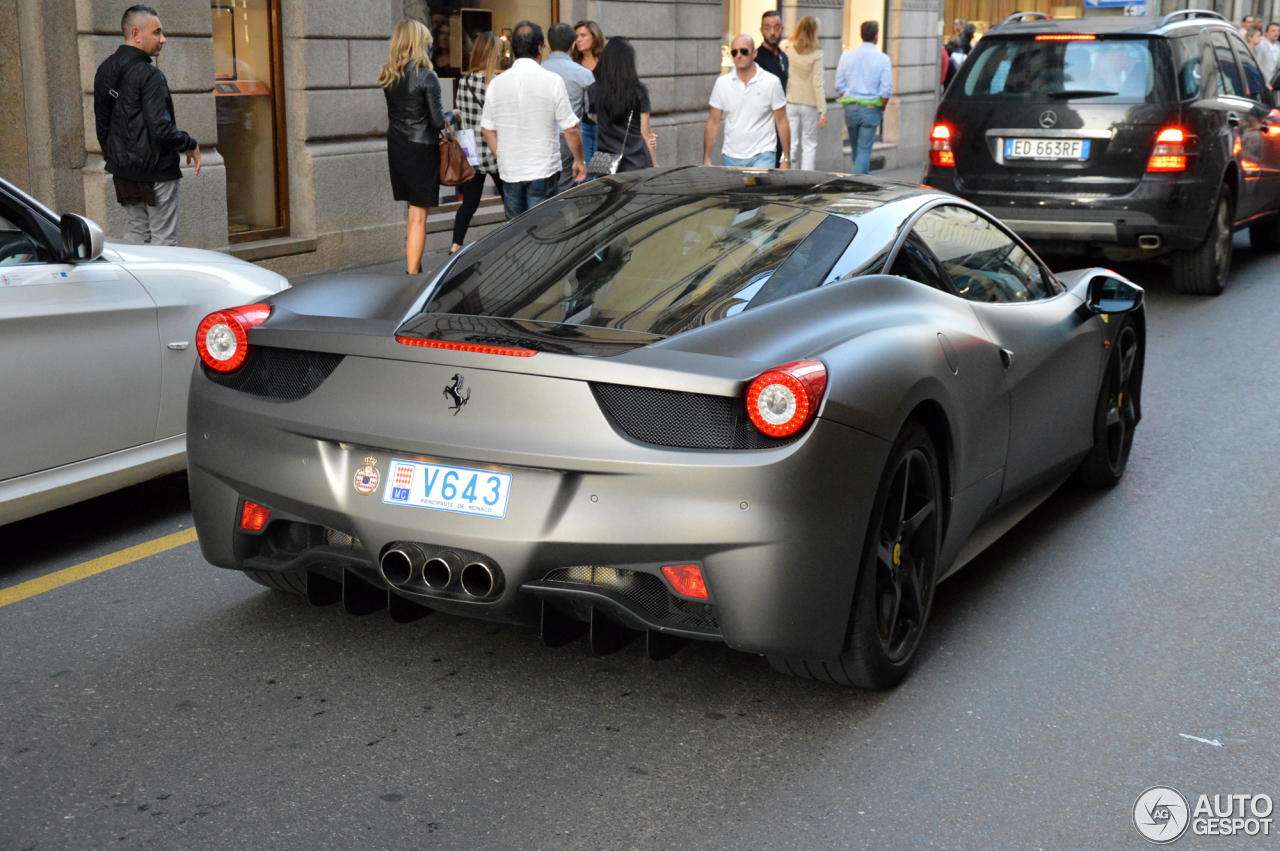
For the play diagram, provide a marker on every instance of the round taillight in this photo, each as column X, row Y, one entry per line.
column 223, row 337
column 784, row 400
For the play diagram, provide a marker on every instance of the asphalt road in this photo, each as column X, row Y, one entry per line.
column 170, row 704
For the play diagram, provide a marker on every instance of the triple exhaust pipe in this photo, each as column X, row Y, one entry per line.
column 405, row 565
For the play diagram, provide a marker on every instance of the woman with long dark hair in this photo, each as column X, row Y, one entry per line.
column 414, row 124
column 620, row 105
column 486, row 53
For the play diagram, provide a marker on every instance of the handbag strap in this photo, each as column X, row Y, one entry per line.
column 626, row 131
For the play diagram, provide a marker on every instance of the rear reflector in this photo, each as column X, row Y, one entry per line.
column 1066, row 37
column 944, row 159
column 1167, row 162
column 466, row 347
column 687, row 580
column 253, row 516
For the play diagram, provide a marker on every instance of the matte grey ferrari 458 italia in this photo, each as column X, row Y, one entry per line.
column 766, row 408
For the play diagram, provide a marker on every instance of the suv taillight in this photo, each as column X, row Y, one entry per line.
column 1173, row 151
column 940, row 153
column 223, row 337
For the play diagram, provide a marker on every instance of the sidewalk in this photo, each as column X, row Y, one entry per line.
column 433, row 260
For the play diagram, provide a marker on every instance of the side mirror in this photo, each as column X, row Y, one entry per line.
column 1113, row 295
column 82, row 239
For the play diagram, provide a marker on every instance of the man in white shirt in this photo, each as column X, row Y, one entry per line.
column 754, row 109
column 525, row 110
column 1268, row 51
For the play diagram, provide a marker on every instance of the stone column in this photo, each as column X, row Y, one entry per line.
column 915, row 51
column 40, row 101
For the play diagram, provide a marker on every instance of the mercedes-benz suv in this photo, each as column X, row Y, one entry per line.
column 1129, row 138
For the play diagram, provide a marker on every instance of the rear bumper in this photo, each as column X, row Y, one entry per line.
column 777, row 532
column 1176, row 211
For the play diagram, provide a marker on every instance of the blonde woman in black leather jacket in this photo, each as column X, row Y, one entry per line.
column 414, row 124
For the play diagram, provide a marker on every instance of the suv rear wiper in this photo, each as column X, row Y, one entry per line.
column 1081, row 93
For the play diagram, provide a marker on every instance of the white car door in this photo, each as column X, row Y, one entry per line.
column 79, row 353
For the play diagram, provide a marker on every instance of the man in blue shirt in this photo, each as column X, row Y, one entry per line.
column 865, row 82
column 576, row 80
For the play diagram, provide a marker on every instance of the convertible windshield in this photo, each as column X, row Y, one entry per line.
column 651, row 263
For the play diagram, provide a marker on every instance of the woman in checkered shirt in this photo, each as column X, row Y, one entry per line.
column 469, row 98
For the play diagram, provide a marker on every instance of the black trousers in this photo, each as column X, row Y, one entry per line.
column 471, row 192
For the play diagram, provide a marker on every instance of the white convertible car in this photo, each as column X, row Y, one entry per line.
column 97, row 344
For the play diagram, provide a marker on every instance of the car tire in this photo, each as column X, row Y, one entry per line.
column 1204, row 270
column 1265, row 236
column 899, row 555
column 290, row 582
column 1116, row 413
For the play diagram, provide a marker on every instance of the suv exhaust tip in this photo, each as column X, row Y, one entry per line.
column 1149, row 241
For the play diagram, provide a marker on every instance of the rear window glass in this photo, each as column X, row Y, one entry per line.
column 1101, row 70
column 659, row 264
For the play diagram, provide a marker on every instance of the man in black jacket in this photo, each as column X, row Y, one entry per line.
column 141, row 143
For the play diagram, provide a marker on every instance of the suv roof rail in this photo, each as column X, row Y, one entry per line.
column 1190, row 13
column 1020, row 17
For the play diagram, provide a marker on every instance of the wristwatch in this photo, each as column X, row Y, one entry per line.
column 785, row 159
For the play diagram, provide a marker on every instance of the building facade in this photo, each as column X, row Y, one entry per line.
column 282, row 96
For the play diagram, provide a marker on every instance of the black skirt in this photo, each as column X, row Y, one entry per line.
column 415, row 172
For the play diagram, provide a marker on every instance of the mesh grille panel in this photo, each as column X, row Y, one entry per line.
column 682, row 420
column 285, row 540
column 644, row 589
column 280, row 374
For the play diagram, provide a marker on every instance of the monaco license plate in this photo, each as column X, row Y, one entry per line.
column 480, row 492
column 1046, row 149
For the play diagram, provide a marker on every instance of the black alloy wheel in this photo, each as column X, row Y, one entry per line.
column 1116, row 415
column 904, row 557
column 1204, row 270
column 897, row 574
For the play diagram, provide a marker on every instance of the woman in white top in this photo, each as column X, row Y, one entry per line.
column 806, row 95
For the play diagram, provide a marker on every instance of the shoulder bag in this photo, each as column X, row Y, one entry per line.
column 454, row 168
column 604, row 163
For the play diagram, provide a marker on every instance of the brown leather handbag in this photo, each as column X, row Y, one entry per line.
column 454, row 168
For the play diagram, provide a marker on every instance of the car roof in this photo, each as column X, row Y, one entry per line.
column 1110, row 25
column 837, row 194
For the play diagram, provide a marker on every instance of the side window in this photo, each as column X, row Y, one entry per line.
column 915, row 263
column 1254, row 85
column 981, row 260
column 17, row 247
column 1194, row 65
column 1230, row 73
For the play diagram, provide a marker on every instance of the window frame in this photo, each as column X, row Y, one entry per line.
column 908, row 229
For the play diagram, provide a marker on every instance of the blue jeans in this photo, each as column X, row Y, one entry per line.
column 767, row 159
column 861, row 122
column 518, row 197
column 590, row 144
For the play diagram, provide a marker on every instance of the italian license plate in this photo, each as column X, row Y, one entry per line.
column 1046, row 149
column 480, row 492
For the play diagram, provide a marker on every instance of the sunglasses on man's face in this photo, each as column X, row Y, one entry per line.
column 740, row 51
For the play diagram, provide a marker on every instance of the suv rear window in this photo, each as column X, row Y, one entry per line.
column 1103, row 70
column 658, row 264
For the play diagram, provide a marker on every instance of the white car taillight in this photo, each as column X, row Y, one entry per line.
column 223, row 337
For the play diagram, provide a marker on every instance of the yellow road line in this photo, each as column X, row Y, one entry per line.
column 98, row 565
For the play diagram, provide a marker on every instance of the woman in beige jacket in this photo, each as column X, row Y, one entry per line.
column 806, row 95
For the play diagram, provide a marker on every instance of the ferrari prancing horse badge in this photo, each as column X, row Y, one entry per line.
column 366, row 480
